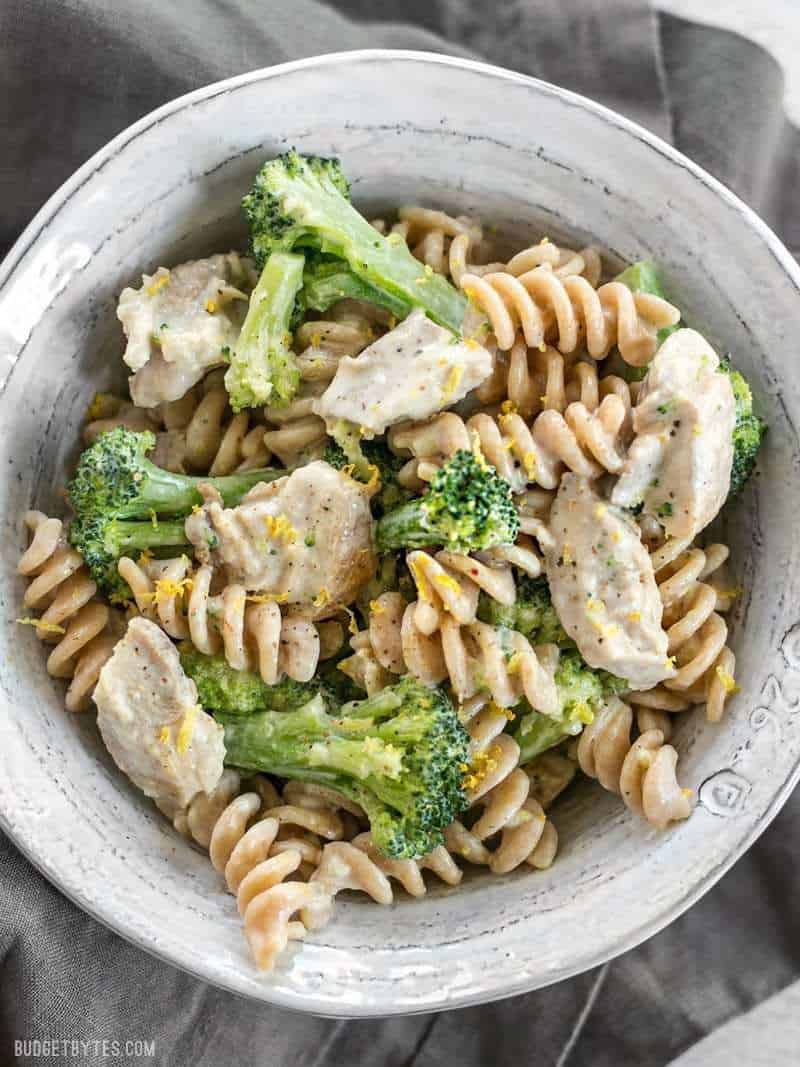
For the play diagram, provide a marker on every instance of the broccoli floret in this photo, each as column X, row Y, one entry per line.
column 468, row 507
column 532, row 613
column 340, row 685
column 640, row 277
column 364, row 458
column 748, row 431
column 581, row 690
column 262, row 367
column 301, row 203
column 222, row 689
column 118, row 494
column 399, row 754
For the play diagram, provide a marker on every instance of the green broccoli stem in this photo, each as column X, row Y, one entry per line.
column 541, row 734
column 263, row 369
column 166, row 493
column 146, row 536
column 325, row 284
column 406, row 527
column 306, row 743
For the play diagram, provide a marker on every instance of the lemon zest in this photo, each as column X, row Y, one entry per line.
column 280, row 529
column 41, row 626
column 727, row 680
column 211, row 306
column 159, row 284
column 186, row 729
column 453, row 378
column 448, row 582
column 376, row 607
column 163, row 735
column 322, row 598
column 267, row 598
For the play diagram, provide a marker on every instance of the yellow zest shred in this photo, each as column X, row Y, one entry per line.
column 470, row 293
column 186, row 729
column 634, row 616
column 529, row 462
column 477, row 452
column 394, row 239
column 514, row 663
column 669, row 663
column 267, row 598
column 423, row 589
column 687, row 793
column 322, row 598
column 508, row 407
column 158, row 284
column 211, row 306
column 471, row 343
column 616, row 537
column 449, row 582
column 453, row 378
column 374, row 483
column 727, row 679
column 196, row 508
column 566, row 555
column 145, row 556
column 99, row 407
column 376, row 607
column 352, row 625
column 600, row 510
column 595, row 605
column 280, row 529
column 41, row 626
column 697, row 430
column 316, row 340
column 163, row 735
column 482, row 763
column 167, row 589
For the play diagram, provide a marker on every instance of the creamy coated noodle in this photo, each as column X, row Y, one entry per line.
column 393, row 539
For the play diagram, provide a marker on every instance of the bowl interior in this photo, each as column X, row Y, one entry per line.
column 531, row 161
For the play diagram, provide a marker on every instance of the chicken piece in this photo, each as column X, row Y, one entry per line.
column 305, row 539
column 151, row 722
column 603, row 586
column 412, row 372
column 180, row 324
column 679, row 464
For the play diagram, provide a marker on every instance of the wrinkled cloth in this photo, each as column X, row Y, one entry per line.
column 73, row 73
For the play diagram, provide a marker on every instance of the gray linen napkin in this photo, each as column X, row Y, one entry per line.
column 75, row 72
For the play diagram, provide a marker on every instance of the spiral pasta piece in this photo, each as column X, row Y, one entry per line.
column 697, row 633
column 81, row 628
column 322, row 343
column 642, row 771
column 570, row 310
column 343, row 866
column 589, row 443
column 202, row 436
column 251, row 632
column 409, row 872
column 501, row 791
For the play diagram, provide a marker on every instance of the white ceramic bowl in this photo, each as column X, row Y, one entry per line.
column 532, row 159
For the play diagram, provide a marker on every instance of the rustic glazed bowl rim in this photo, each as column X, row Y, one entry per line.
column 105, row 911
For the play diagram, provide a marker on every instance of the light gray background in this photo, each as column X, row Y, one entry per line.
column 75, row 72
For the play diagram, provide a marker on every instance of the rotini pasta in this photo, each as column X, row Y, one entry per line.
column 250, row 631
column 570, row 310
column 80, row 627
column 642, row 772
column 696, row 631
column 502, row 792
